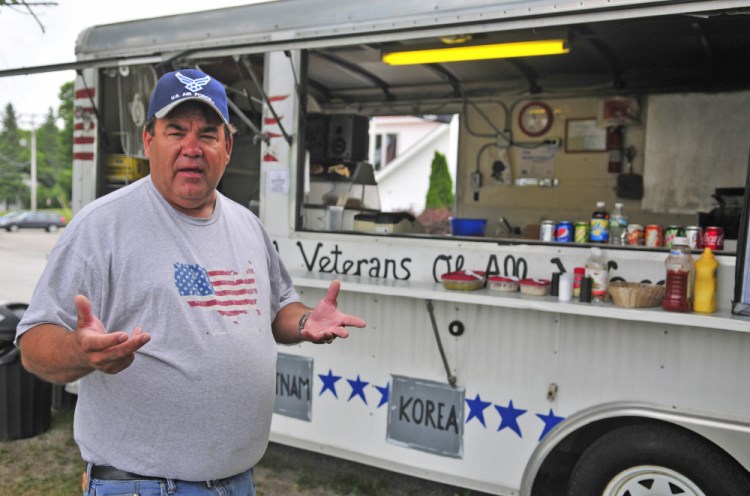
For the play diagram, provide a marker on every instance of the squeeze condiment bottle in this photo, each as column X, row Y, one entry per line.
column 597, row 270
column 704, row 293
column 679, row 265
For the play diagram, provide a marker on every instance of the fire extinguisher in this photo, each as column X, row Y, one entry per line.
column 614, row 148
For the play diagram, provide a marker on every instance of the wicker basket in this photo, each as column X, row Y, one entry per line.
column 635, row 295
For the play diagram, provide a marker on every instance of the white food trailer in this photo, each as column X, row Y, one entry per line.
column 505, row 393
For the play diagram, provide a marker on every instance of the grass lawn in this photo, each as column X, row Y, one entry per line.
column 49, row 464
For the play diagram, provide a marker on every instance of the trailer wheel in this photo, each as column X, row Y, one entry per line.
column 656, row 460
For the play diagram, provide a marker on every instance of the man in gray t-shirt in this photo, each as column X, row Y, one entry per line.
column 166, row 299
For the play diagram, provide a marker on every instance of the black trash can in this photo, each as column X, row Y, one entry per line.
column 25, row 400
column 62, row 399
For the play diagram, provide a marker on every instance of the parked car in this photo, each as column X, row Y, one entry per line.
column 48, row 221
column 13, row 213
column 4, row 219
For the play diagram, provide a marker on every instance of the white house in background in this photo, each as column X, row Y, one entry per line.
column 401, row 151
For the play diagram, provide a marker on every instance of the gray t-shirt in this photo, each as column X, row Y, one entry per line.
column 197, row 402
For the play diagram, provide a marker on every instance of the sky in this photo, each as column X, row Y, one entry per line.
column 23, row 44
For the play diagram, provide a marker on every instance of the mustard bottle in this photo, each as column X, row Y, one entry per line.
column 704, row 293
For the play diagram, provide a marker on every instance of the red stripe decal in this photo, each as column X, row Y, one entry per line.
column 86, row 93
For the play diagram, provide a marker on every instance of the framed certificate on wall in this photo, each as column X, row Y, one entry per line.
column 582, row 135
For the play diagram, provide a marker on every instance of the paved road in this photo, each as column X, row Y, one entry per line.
column 23, row 255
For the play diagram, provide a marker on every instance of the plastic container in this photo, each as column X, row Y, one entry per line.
column 565, row 288
column 597, row 270
column 704, row 292
column 618, row 226
column 535, row 287
column 503, row 284
column 679, row 264
column 25, row 400
column 464, row 280
column 599, row 224
column 467, row 227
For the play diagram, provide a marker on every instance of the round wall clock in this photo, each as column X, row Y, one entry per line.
column 535, row 118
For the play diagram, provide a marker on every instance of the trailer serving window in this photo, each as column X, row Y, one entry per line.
column 625, row 115
column 641, row 110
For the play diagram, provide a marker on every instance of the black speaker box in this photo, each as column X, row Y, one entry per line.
column 347, row 138
column 316, row 136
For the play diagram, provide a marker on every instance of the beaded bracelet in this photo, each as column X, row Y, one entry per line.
column 301, row 323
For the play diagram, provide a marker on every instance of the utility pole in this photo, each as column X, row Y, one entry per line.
column 33, row 167
column 33, row 185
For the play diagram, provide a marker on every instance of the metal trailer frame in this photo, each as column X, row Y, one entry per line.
column 605, row 372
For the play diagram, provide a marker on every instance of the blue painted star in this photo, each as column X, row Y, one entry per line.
column 358, row 388
column 329, row 382
column 550, row 420
column 509, row 417
column 385, row 394
column 476, row 409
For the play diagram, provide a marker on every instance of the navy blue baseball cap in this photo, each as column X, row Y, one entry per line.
column 177, row 87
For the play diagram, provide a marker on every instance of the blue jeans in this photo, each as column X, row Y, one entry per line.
column 238, row 485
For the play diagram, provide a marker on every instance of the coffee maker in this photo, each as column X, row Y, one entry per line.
column 727, row 214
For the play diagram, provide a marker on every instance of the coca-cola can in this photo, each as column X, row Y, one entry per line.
column 635, row 235
column 654, row 235
column 694, row 235
column 713, row 237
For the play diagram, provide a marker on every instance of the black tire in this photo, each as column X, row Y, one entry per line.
column 12, row 228
column 656, row 459
column 51, row 228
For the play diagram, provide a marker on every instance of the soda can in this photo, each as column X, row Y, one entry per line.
column 547, row 232
column 564, row 232
column 713, row 237
column 635, row 236
column 670, row 233
column 654, row 235
column 694, row 235
column 581, row 234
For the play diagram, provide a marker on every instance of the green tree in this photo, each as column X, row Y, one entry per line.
column 14, row 159
column 66, row 112
column 49, row 160
column 440, row 192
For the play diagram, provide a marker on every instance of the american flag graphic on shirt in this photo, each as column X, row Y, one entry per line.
column 227, row 291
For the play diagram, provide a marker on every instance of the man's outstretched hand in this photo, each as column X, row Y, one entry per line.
column 107, row 352
column 327, row 322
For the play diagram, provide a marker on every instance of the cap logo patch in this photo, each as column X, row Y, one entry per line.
column 193, row 84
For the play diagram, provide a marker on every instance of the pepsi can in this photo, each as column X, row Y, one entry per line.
column 564, row 232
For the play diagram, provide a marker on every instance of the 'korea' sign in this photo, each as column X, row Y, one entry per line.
column 426, row 415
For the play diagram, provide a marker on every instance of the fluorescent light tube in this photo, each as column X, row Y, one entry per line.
column 477, row 52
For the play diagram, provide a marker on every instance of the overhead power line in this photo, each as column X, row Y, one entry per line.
column 12, row 162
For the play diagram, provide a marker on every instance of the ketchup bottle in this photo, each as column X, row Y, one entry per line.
column 679, row 265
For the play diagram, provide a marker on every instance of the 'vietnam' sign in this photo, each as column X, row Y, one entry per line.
column 294, row 376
